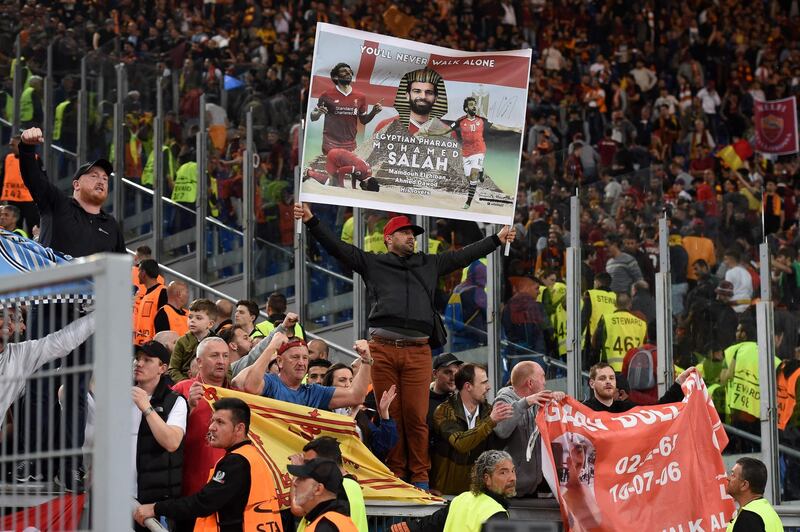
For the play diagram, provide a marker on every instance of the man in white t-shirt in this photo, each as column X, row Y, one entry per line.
column 158, row 425
column 740, row 278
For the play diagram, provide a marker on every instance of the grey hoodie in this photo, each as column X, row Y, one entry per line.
column 516, row 431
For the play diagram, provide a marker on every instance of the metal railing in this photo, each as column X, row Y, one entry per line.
column 109, row 455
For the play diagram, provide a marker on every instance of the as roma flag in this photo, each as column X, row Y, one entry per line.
column 651, row 468
column 776, row 126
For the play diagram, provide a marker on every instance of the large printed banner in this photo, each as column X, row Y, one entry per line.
column 279, row 430
column 651, row 468
column 398, row 125
column 776, row 126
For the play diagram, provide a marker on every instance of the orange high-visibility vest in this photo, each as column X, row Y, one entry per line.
column 342, row 522
column 14, row 188
column 140, row 287
column 178, row 321
column 144, row 320
column 787, row 398
column 262, row 511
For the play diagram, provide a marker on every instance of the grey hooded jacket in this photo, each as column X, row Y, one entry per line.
column 516, row 432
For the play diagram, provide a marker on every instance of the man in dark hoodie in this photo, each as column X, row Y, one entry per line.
column 401, row 323
column 526, row 393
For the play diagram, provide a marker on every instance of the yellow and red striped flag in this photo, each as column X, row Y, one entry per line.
column 734, row 155
column 279, row 430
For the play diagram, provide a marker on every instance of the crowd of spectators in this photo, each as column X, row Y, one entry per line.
column 629, row 102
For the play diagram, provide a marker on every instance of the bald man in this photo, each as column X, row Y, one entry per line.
column 317, row 349
column 225, row 310
column 526, row 393
column 167, row 338
column 174, row 316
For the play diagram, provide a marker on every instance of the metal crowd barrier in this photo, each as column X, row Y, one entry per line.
column 60, row 449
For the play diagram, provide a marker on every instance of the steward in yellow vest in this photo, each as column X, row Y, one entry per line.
column 58, row 122
column 276, row 313
column 30, row 102
column 26, row 105
column 185, row 189
column 264, row 329
column 319, row 496
column 619, row 332
column 240, row 494
column 554, row 300
column 741, row 378
column 746, row 484
column 596, row 302
column 468, row 511
column 148, row 173
column 493, row 483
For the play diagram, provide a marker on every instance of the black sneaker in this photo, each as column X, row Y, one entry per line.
column 26, row 473
column 73, row 483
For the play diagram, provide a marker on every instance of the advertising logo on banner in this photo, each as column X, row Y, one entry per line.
column 398, row 125
column 279, row 430
column 652, row 468
column 776, row 126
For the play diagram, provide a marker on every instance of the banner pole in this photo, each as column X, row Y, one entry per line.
column 664, row 373
column 766, row 379
column 574, row 288
column 298, row 224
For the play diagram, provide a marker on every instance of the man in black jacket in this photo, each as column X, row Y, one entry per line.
column 158, row 440
column 603, row 382
column 401, row 323
column 79, row 227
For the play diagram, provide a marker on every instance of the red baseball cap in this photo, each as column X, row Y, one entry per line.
column 401, row 222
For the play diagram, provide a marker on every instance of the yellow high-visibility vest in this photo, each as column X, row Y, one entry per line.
column 603, row 302
column 149, row 167
column 26, row 105
column 58, row 122
column 468, row 512
column 185, row 189
column 624, row 331
column 762, row 508
column 743, row 391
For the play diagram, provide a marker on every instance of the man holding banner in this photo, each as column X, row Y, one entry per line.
column 401, row 323
column 603, row 383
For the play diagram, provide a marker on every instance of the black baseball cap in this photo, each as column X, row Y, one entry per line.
column 323, row 470
column 153, row 349
column 445, row 359
column 85, row 167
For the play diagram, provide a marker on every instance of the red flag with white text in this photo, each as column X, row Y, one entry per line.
column 652, row 468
